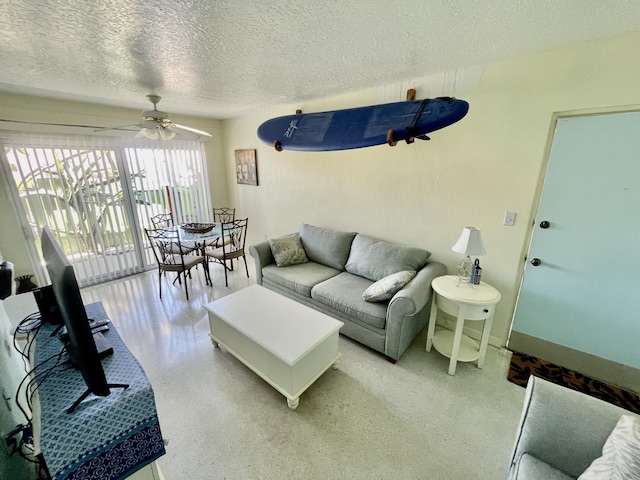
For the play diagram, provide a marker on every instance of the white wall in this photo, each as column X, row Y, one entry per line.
column 470, row 173
column 13, row 370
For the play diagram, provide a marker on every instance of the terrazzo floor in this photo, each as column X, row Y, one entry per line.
column 367, row 419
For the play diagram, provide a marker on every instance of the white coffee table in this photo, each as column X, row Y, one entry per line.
column 289, row 345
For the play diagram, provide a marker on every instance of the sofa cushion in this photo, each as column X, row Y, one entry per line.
column 530, row 468
column 344, row 294
column 326, row 246
column 301, row 277
column 620, row 453
column 375, row 259
column 387, row 287
column 288, row 250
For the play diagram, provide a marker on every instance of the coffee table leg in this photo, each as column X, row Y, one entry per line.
column 214, row 342
column 293, row 403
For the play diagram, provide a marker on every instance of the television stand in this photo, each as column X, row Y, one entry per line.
column 110, row 437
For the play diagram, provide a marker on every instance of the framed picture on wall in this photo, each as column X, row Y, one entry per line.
column 246, row 168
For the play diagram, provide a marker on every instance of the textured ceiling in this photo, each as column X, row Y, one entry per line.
column 227, row 58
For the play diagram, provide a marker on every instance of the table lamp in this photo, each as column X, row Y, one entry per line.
column 469, row 243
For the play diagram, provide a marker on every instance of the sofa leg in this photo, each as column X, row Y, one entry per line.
column 390, row 360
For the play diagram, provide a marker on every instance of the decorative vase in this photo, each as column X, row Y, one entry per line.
column 25, row 284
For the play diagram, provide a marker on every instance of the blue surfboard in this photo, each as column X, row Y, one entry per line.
column 363, row 126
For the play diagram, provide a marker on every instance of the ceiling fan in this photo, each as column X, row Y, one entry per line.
column 156, row 125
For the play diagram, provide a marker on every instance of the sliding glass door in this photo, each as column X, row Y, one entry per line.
column 97, row 195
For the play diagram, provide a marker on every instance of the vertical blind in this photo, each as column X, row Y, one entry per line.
column 97, row 194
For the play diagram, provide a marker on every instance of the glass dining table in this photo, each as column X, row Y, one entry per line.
column 200, row 241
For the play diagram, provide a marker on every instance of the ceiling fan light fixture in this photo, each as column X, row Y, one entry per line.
column 150, row 133
column 166, row 134
column 156, row 133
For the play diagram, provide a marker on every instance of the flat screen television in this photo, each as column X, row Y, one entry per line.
column 81, row 346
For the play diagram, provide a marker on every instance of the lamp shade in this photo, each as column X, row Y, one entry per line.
column 470, row 242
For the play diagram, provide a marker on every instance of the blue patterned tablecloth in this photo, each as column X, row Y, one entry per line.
column 105, row 438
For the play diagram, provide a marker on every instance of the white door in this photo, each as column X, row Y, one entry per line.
column 585, row 292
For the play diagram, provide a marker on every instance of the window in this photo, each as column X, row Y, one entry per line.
column 97, row 194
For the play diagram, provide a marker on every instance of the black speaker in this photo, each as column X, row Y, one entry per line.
column 6, row 279
column 48, row 305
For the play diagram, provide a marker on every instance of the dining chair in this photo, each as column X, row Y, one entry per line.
column 224, row 214
column 165, row 220
column 170, row 256
column 236, row 231
column 162, row 220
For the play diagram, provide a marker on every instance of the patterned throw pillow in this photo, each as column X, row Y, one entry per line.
column 620, row 453
column 288, row 250
column 388, row 286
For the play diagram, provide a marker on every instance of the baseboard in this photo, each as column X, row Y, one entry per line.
column 598, row 368
column 523, row 366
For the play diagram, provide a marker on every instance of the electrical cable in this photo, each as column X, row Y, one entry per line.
column 40, row 377
column 29, row 327
column 25, row 446
column 30, row 379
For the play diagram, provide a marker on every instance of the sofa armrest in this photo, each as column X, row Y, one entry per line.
column 418, row 291
column 262, row 257
column 408, row 310
column 562, row 427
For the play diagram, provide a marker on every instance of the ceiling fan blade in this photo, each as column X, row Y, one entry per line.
column 119, row 127
column 195, row 131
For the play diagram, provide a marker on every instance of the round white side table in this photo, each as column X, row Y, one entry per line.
column 464, row 302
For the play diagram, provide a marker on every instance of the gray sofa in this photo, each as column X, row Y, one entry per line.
column 561, row 432
column 340, row 267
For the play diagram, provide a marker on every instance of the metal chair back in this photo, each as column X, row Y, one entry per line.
column 224, row 214
column 235, row 235
column 170, row 256
column 162, row 220
column 236, row 231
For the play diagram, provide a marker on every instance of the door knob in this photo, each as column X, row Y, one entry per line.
column 544, row 224
column 535, row 262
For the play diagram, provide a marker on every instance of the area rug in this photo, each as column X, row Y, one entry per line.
column 523, row 366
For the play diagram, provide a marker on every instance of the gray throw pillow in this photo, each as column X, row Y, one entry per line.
column 387, row 287
column 288, row 250
column 326, row 246
column 375, row 259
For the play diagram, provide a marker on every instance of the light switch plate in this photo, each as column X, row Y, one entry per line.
column 509, row 219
